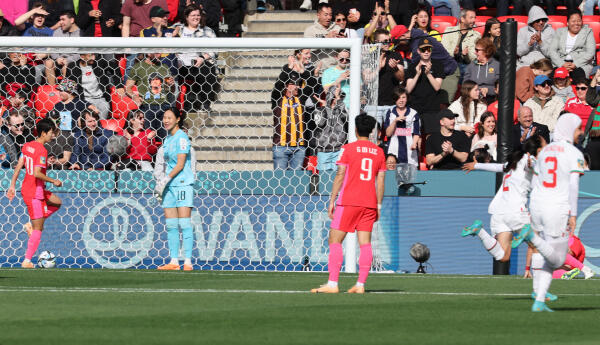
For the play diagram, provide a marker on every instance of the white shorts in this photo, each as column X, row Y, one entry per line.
column 508, row 222
column 550, row 221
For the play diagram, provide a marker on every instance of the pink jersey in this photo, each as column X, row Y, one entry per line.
column 363, row 161
column 34, row 155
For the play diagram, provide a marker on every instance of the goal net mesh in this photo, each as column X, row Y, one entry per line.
column 259, row 204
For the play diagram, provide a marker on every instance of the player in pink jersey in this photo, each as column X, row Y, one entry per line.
column 40, row 203
column 360, row 183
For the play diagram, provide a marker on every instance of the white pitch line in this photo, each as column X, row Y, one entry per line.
column 240, row 291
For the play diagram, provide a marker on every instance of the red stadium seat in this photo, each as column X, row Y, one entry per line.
column 121, row 105
column 597, row 59
column 113, row 125
column 480, row 24
column 521, row 20
column 594, row 23
column 44, row 99
column 557, row 21
column 445, row 19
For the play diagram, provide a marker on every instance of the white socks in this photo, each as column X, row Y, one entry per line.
column 332, row 283
column 490, row 244
column 554, row 250
column 187, row 261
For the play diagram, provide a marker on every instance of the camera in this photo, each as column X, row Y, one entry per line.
column 422, row 69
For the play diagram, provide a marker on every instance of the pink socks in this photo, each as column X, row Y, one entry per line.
column 33, row 243
column 364, row 262
column 336, row 258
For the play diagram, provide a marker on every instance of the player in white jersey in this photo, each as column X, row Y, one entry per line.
column 509, row 207
column 553, row 204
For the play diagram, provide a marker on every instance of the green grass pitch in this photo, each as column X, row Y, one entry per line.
column 56, row 306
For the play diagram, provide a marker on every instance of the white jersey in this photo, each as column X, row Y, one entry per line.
column 554, row 166
column 512, row 194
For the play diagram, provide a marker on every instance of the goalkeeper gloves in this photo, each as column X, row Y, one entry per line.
column 160, row 187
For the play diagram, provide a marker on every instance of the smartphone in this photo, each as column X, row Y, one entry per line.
column 342, row 32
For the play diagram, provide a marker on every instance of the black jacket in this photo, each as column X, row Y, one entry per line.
column 541, row 130
column 111, row 9
column 104, row 71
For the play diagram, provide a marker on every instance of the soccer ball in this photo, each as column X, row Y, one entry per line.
column 46, row 260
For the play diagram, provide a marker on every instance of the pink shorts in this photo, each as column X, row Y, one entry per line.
column 37, row 207
column 351, row 218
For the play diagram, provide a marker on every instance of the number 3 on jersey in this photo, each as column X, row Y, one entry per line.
column 504, row 186
column 366, row 165
column 551, row 171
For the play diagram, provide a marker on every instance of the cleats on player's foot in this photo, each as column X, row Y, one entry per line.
column 570, row 274
column 28, row 229
column 357, row 289
column 325, row 289
column 187, row 267
column 549, row 297
column 473, row 229
column 538, row 307
column 27, row 264
column 587, row 272
column 169, row 267
column 526, row 234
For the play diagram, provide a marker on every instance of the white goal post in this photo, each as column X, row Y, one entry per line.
column 107, row 45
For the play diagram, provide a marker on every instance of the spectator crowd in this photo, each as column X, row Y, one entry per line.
column 437, row 89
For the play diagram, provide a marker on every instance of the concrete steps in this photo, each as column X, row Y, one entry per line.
column 237, row 133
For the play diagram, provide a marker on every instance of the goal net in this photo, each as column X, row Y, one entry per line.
column 255, row 112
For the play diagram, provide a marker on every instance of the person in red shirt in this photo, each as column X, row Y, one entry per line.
column 577, row 105
column 360, row 184
column 40, row 202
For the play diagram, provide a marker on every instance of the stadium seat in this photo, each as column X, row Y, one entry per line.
column 44, row 99
column 113, row 125
column 594, row 23
column 446, row 19
column 480, row 24
column 597, row 58
column 557, row 21
column 521, row 20
column 120, row 105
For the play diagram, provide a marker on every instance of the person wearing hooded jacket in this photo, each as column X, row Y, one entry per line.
column 533, row 40
column 484, row 70
column 332, row 129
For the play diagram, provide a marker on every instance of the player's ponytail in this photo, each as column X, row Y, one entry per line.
column 531, row 146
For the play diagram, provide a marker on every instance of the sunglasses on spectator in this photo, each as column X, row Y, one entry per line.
column 344, row 59
column 384, row 42
column 425, row 50
column 581, row 88
column 17, row 125
column 340, row 20
column 544, row 84
column 380, row 13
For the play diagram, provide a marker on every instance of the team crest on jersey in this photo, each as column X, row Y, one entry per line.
column 580, row 164
column 183, row 144
column 43, row 160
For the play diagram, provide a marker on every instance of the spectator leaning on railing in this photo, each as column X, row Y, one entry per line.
column 332, row 129
column 447, row 148
column 89, row 149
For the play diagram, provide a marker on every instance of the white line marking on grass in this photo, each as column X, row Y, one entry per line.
column 240, row 291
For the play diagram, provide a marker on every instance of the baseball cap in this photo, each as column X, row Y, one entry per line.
column 158, row 11
column 447, row 114
column 425, row 42
column 540, row 79
column 561, row 72
column 398, row 31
